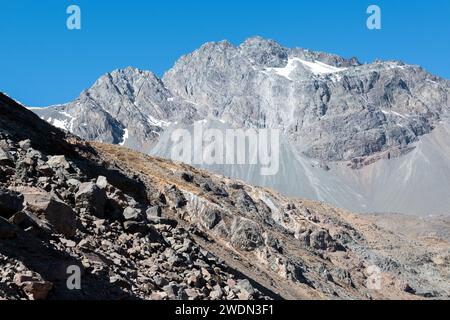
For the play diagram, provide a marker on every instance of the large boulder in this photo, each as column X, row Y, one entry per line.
column 50, row 208
column 26, row 220
column 245, row 286
column 246, row 235
column 131, row 213
column 25, row 144
column 322, row 240
column 91, row 198
column 33, row 286
column 154, row 216
column 58, row 162
column 211, row 218
column 11, row 202
column 175, row 196
column 102, row 182
column 154, row 212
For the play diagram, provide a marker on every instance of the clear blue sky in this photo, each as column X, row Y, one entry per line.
column 43, row 63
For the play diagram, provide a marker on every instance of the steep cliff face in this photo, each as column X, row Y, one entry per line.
column 126, row 106
column 331, row 108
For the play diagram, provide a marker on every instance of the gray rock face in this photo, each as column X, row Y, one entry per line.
column 265, row 52
column 330, row 110
column 128, row 106
column 246, row 235
column 51, row 209
column 413, row 182
column 91, row 197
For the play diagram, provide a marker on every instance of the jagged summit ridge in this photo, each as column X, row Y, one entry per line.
column 331, row 110
column 259, row 92
column 318, row 99
column 125, row 102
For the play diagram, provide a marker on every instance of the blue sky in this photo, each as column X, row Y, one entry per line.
column 43, row 63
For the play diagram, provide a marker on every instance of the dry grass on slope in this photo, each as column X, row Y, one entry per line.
column 401, row 256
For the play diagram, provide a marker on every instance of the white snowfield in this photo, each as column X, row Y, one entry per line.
column 60, row 124
column 157, row 122
column 124, row 138
column 59, row 119
column 316, row 67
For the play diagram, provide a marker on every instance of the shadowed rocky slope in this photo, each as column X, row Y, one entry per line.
column 141, row 227
column 62, row 205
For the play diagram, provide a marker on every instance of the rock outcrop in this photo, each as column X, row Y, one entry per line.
column 60, row 211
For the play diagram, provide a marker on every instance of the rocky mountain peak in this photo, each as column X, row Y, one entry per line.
column 330, row 109
column 128, row 81
column 265, row 53
column 209, row 51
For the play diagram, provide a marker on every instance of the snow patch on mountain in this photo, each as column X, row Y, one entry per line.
column 286, row 71
column 157, row 122
column 319, row 68
column 60, row 124
column 125, row 137
column 316, row 67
